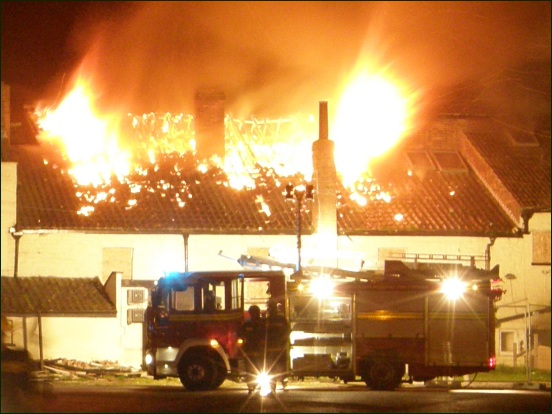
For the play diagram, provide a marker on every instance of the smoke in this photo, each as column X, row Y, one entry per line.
column 277, row 58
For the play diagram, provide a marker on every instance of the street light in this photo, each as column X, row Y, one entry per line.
column 298, row 194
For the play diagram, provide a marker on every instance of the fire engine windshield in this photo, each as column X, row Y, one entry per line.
column 203, row 296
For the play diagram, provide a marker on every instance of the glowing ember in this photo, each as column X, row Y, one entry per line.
column 371, row 117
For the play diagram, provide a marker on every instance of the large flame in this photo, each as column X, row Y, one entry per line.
column 89, row 139
column 372, row 115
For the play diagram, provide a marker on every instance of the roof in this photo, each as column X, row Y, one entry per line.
column 519, row 158
column 55, row 296
column 178, row 198
column 47, row 200
column 437, row 203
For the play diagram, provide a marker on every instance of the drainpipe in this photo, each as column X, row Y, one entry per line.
column 186, row 236
column 16, row 236
column 488, row 253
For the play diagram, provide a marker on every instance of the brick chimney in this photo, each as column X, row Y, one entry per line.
column 325, row 184
column 209, row 122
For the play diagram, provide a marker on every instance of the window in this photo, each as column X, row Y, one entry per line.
column 420, row 160
column 449, row 161
column 183, row 300
column 507, row 340
column 541, row 248
column 256, row 293
column 389, row 253
column 524, row 139
column 236, row 288
column 7, row 331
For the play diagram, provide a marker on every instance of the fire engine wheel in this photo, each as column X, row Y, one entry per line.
column 219, row 378
column 197, row 373
column 383, row 374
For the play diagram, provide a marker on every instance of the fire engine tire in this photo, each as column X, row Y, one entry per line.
column 219, row 378
column 383, row 374
column 197, row 372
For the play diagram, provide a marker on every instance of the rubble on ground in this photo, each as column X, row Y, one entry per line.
column 72, row 368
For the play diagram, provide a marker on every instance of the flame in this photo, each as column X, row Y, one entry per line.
column 89, row 140
column 372, row 115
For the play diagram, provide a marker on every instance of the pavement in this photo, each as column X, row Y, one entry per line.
column 321, row 383
column 541, row 385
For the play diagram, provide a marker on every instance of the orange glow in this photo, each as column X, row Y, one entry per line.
column 89, row 140
column 373, row 114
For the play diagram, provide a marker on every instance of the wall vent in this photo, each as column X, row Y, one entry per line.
column 135, row 296
column 135, row 316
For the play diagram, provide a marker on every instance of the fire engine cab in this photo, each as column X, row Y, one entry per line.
column 193, row 321
column 413, row 322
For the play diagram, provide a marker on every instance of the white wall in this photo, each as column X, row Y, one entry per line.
column 83, row 339
column 369, row 248
column 9, row 202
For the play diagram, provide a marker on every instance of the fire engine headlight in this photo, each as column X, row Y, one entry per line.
column 214, row 343
column 453, row 288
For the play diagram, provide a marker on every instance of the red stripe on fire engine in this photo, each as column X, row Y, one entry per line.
column 386, row 315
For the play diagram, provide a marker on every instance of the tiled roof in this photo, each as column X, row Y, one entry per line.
column 434, row 202
column 519, row 158
column 47, row 200
column 55, row 296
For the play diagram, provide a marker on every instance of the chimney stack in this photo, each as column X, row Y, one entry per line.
column 209, row 122
column 325, row 182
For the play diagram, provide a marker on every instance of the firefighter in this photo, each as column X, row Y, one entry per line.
column 253, row 333
column 277, row 338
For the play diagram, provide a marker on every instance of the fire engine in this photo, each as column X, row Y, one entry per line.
column 413, row 322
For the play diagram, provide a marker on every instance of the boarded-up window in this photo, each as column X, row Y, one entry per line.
column 541, row 248
column 390, row 253
column 117, row 259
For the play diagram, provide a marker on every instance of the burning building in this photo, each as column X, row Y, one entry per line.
column 191, row 191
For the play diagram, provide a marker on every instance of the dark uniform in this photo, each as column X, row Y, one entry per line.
column 253, row 334
column 277, row 339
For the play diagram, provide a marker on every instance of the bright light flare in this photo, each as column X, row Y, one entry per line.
column 264, row 382
column 453, row 288
column 321, row 288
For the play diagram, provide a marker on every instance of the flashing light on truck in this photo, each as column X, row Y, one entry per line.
column 453, row 288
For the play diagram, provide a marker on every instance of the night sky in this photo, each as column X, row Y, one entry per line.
column 270, row 58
